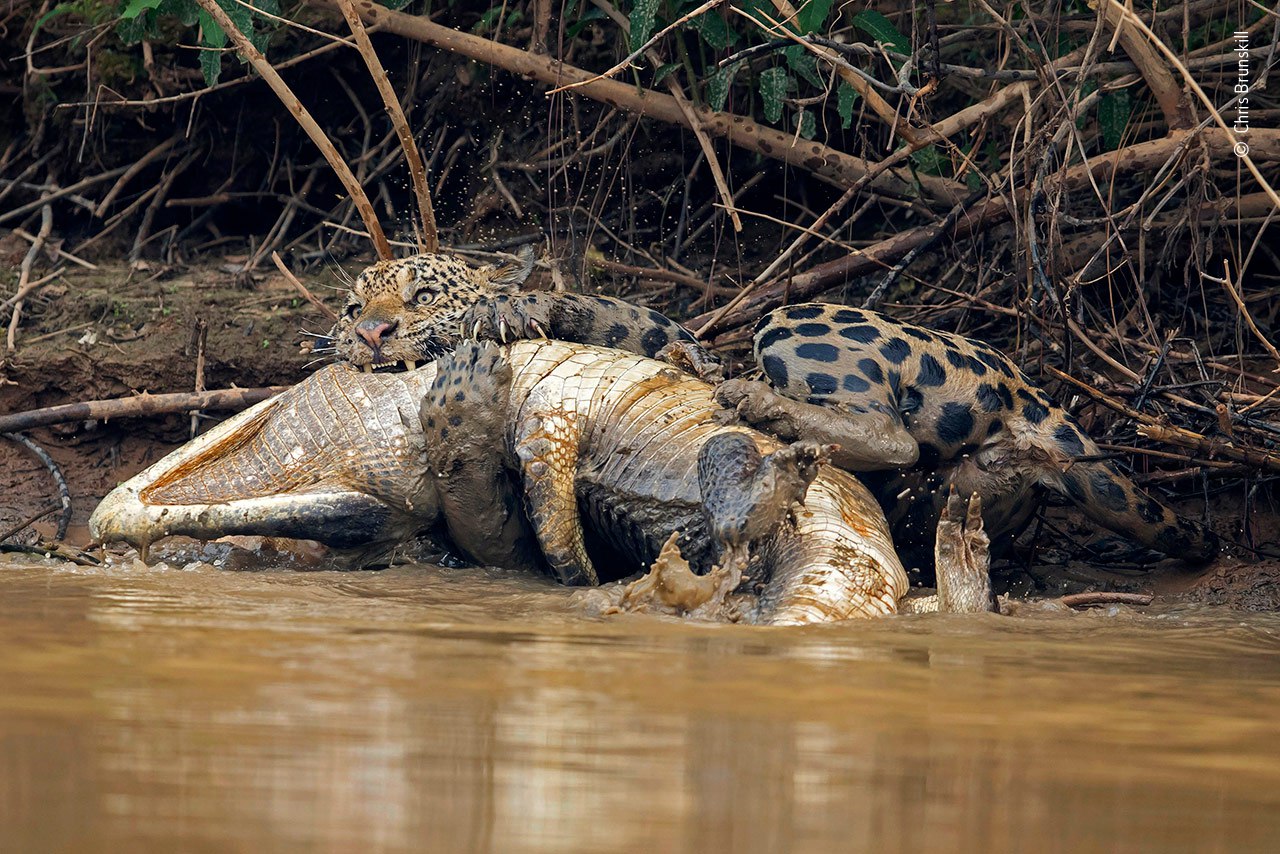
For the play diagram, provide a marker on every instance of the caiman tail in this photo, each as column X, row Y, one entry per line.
column 337, row 459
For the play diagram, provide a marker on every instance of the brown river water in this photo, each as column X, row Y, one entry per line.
column 429, row 709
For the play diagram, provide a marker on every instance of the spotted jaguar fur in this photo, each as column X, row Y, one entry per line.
column 916, row 412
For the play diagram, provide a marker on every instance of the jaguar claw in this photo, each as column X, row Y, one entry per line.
column 502, row 330
column 475, row 330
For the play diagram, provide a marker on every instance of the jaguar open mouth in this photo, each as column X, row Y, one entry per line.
column 391, row 367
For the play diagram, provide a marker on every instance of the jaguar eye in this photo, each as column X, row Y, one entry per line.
column 352, row 310
column 424, row 297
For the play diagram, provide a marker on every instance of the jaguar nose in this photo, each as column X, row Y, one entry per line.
column 373, row 331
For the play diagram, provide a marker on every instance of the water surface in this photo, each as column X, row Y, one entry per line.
column 428, row 709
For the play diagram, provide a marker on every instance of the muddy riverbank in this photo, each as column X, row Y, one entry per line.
column 115, row 332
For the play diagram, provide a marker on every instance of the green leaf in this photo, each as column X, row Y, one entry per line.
column 211, row 33
column 487, row 20
column 773, row 88
column 714, row 30
column 929, row 161
column 592, row 14
column 881, row 29
column 1088, row 87
column 846, row 95
column 1114, row 112
column 812, row 15
column 662, row 73
column 802, row 62
column 807, row 124
column 643, row 17
column 718, row 85
column 211, row 65
column 134, row 8
column 212, row 36
column 56, row 11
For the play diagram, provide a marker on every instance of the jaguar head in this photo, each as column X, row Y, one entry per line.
column 405, row 311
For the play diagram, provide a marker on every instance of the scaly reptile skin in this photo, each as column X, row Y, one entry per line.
column 343, row 458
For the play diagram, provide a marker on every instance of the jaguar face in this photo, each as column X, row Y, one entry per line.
column 406, row 311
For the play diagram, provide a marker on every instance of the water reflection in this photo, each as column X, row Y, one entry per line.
column 425, row 709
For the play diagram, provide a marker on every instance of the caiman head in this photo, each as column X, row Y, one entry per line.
column 406, row 311
column 338, row 458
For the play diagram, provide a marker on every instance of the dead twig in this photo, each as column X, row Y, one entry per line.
column 1092, row 599
column 307, row 122
column 139, row 406
column 24, row 275
column 692, row 119
column 1244, row 153
column 302, row 289
column 822, row 161
column 631, row 57
column 1230, row 287
column 430, row 238
column 1152, row 429
column 30, row 520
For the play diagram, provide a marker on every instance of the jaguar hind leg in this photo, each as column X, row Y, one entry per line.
column 868, row 441
column 1112, row 500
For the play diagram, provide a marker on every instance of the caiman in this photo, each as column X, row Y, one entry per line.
column 512, row 448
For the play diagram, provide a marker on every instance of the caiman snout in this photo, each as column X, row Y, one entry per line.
column 375, row 331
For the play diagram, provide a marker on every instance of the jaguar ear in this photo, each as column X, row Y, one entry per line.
column 511, row 275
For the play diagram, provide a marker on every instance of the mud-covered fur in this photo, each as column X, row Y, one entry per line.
column 410, row 309
column 978, row 423
column 462, row 429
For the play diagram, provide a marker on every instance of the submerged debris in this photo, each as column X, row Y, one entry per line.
column 671, row 588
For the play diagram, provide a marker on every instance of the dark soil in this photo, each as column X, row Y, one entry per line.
column 111, row 333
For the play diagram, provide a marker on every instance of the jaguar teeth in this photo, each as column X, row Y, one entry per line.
column 410, row 364
column 368, row 369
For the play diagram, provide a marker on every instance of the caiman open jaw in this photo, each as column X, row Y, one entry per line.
column 336, row 459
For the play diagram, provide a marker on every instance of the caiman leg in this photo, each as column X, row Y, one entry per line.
column 546, row 443
column 962, row 559
column 868, row 441
column 463, row 433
